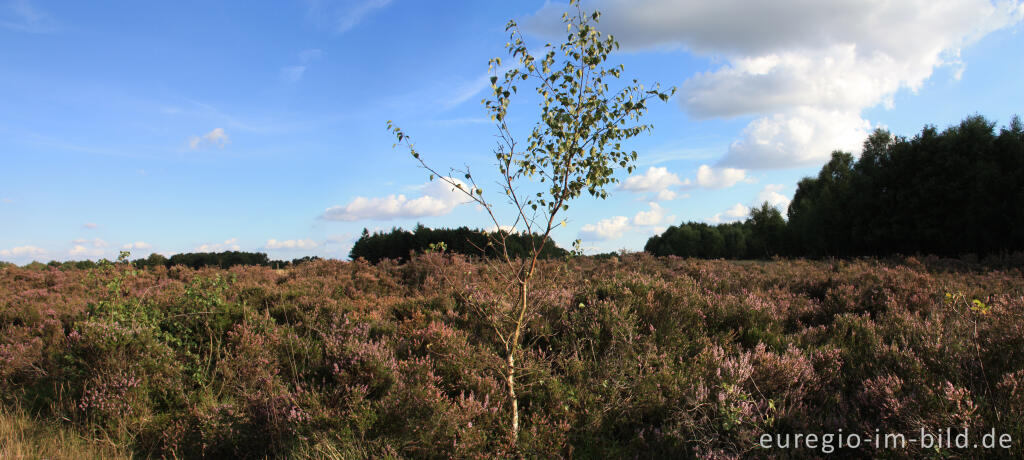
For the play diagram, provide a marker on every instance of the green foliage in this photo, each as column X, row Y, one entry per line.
column 952, row 193
column 575, row 146
column 154, row 260
column 224, row 259
column 762, row 235
column 577, row 143
column 399, row 244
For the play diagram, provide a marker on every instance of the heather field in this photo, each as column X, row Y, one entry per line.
column 625, row 357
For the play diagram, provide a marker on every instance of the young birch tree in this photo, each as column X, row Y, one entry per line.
column 575, row 147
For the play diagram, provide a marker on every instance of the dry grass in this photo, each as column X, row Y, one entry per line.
column 23, row 437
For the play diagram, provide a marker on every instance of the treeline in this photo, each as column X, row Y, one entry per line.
column 949, row 193
column 398, row 244
column 760, row 236
column 224, row 260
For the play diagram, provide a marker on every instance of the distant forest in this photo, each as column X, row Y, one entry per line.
column 397, row 244
column 949, row 193
column 226, row 259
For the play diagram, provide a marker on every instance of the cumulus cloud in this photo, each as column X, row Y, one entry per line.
column 137, row 245
column 22, row 251
column 83, row 247
column 229, row 244
column 614, row 227
column 734, row 213
column 650, row 218
column 605, row 229
column 770, row 194
column 216, row 137
column 89, row 225
column 805, row 69
column 79, row 250
column 709, row 177
column 291, row 244
column 438, row 198
column 656, row 181
column 803, row 136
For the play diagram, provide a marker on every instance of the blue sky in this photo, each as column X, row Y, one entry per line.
column 260, row 126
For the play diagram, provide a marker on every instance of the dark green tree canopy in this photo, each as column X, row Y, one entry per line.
column 399, row 244
column 955, row 192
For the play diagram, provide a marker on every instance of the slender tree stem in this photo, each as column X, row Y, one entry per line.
column 512, row 397
column 513, row 348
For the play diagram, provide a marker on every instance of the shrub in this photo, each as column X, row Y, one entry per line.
column 628, row 357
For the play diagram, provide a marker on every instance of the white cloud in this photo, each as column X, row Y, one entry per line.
column 805, row 69
column 291, row 244
column 137, row 245
column 95, row 242
column 229, row 244
column 215, row 137
column 438, row 198
column 668, row 195
column 734, row 213
column 650, row 218
column 506, row 228
column 826, row 79
column 747, row 27
column 88, row 247
column 80, row 250
column 656, row 180
column 22, row 251
column 89, row 225
column 605, row 229
column 771, row 194
column 613, row 228
column 804, row 136
column 7, row 200
column 709, row 177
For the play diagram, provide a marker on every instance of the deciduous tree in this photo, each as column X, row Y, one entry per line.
column 576, row 146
